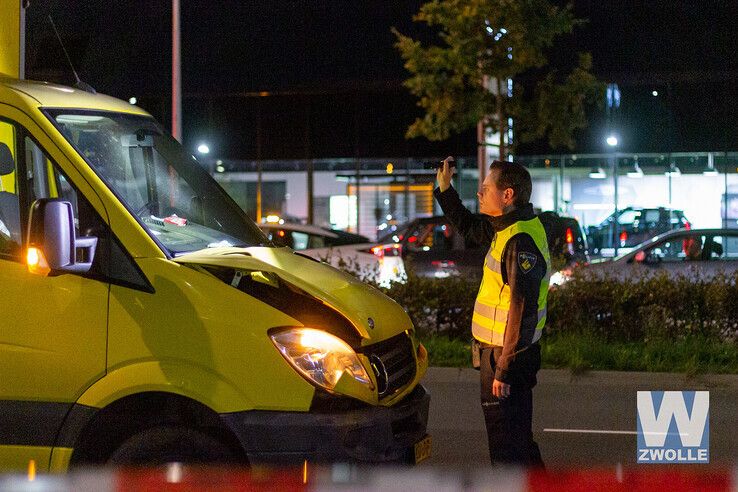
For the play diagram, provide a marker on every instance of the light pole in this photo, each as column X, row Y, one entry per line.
column 612, row 142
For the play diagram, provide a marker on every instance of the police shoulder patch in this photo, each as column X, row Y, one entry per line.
column 526, row 261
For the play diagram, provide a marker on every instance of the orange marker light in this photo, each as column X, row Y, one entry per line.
column 31, row 470
column 37, row 262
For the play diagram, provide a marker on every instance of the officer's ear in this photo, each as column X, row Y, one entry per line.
column 508, row 195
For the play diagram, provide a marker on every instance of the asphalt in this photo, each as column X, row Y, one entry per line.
column 585, row 420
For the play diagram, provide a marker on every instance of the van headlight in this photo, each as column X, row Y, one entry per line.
column 320, row 357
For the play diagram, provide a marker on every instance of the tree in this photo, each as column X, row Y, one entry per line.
column 462, row 80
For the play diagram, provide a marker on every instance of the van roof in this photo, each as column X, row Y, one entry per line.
column 46, row 94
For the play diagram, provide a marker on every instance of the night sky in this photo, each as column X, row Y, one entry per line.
column 336, row 78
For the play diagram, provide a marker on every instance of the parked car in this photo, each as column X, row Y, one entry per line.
column 698, row 253
column 301, row 237
column 338, row 248
column 567, row 241
column 635, row 225
column 436, row 249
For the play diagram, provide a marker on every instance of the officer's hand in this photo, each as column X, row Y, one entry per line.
column 444, row 174
column 500, row 389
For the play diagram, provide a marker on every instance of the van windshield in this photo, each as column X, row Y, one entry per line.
column 169, row 192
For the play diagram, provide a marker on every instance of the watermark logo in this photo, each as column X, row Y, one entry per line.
column 673, row 427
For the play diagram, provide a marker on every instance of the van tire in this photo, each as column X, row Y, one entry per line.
column 166, row 444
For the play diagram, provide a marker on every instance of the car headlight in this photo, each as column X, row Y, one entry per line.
column 559, row 278
column 320, row 357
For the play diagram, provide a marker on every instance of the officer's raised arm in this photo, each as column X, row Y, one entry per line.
column 473, row 228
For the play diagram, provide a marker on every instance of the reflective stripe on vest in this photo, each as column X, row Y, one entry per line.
column 493, row 300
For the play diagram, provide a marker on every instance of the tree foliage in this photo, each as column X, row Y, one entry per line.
column 482, row 42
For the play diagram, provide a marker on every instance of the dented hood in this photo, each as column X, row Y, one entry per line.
column 375, row 316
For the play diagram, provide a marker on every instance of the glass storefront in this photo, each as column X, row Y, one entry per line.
column 591, row 187
column 369, row 195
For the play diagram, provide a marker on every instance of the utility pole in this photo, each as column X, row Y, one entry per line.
column 357, row 164
column 176, row 81
column 22, row 40
column 259, row 167
column 310, row 167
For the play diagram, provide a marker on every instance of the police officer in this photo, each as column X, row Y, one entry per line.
column 510, row 309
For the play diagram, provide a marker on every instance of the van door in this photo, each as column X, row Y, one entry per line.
column 52, row 329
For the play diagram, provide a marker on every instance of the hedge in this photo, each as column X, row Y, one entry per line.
column 647, row 308
column 638, row 310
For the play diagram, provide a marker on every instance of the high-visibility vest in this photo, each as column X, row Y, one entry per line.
column 493, row 300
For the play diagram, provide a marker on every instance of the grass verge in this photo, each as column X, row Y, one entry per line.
column 448, row 352
column 690, row 356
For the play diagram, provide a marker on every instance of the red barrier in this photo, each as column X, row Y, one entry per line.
column 633, row 480
column 178, row 478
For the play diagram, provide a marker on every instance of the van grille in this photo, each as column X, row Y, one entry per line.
column 393, row 363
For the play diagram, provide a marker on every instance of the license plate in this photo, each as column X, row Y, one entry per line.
column 422, row 449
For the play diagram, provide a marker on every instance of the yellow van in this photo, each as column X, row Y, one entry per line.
column 145, row 318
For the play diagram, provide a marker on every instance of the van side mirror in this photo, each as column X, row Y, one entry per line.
column 52, row 245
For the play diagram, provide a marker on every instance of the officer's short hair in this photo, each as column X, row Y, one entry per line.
column 515, row 176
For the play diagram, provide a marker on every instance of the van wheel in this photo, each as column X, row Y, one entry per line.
column 167, row 444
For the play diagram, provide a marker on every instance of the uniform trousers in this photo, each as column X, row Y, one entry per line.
column 509, row 420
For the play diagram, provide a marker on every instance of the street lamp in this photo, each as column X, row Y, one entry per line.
column 203, row 148
column 612, row 141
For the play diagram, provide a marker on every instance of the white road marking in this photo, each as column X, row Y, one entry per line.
column 603, row 431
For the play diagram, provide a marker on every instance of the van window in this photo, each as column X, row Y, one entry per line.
column 111, row 263
column 10, row 224
column 170, row 193
column 45, row 180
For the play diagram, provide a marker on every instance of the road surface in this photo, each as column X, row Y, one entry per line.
column 587, row 420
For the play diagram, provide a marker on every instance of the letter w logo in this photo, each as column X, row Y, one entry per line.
column 655, row 422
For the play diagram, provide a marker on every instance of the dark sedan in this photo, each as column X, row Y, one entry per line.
column 434, row 248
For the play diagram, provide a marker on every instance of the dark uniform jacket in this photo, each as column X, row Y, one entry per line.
column 524, row 285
